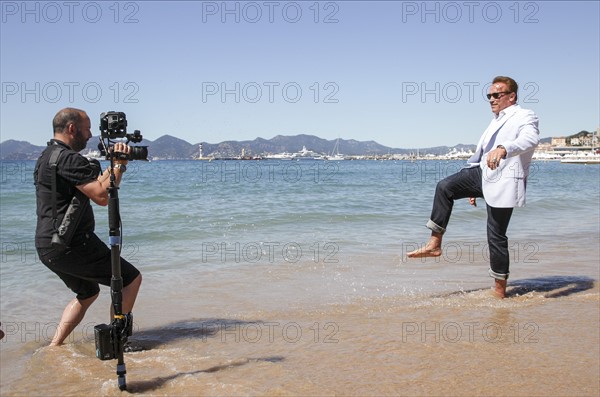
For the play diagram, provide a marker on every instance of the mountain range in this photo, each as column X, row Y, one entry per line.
column 173, row 148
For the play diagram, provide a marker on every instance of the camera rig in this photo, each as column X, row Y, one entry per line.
column 111, row 338
column 113, row 125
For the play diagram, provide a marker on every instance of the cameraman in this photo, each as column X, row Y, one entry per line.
column 86, row 261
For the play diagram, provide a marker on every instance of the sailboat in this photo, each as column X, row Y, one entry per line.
column 335, row 153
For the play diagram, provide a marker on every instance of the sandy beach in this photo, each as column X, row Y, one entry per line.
column 305, row 289
column 542, row 340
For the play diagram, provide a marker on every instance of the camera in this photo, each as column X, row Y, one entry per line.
column 113, row 125
column 107, row 336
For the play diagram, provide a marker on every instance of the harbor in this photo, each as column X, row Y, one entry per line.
column 564, row 156
column 580, row 148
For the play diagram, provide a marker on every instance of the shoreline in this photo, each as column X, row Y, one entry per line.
column 226, row 292
column 372, row 326
column 409, row 345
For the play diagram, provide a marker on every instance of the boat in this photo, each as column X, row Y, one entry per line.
column 335, row 153
column 306, row 154
column 582, row 158
column 546, row 156
column 335, row 157
column 95, row 155
column 455, row 154
column 279, row 156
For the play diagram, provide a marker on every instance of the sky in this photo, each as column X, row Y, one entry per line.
column 406, row 74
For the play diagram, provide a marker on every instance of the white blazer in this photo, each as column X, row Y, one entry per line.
column 516, row 130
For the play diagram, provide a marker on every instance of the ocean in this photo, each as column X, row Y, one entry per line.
column 291, row 278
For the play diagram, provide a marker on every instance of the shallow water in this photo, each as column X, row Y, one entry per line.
column 300, row 286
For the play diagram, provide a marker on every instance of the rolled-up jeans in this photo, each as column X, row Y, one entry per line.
column 467, row 183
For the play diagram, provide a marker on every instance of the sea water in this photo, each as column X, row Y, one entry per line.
column 291, row 278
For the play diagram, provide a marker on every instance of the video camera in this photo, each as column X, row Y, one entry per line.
column 113, row 125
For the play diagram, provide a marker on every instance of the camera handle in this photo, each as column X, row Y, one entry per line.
column 120, row 321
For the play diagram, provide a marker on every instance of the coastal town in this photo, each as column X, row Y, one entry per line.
column 580, row 148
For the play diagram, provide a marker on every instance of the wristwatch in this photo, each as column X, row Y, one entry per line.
column 121, row 167
column 503, row 148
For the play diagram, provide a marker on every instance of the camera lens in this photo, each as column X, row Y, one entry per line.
column 139, row 153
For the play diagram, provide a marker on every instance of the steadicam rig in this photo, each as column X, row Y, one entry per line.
column 111, row 338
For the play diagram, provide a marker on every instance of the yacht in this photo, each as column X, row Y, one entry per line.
column 306, row 154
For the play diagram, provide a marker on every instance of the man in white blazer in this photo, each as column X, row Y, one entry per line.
column 497, row 172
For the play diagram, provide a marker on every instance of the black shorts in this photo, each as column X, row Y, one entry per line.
column 85, row 266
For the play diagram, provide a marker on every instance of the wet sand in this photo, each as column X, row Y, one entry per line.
column 281, row 333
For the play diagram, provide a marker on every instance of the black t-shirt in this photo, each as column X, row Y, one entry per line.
column 72, row 169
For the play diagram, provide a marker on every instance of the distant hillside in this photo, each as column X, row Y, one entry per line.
column 292, row 144
column 170, row 147
column 19, row 150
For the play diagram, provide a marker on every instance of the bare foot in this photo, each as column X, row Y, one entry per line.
column 499, row 289
column 433, row 247
column 425, row 252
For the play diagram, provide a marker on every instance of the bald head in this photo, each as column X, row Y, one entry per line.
column 67, row 116
column 72, row 126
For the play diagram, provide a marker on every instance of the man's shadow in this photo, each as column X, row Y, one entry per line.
column 551, row 286
column 144, row 386
column 204, row 328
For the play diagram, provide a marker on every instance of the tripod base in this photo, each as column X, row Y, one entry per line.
column 121, row 371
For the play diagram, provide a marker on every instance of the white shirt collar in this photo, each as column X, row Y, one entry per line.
column 509, row 110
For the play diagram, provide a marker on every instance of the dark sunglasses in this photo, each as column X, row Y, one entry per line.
column 497, row 95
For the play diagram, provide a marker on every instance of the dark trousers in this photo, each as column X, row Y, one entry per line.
column 467, row 183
